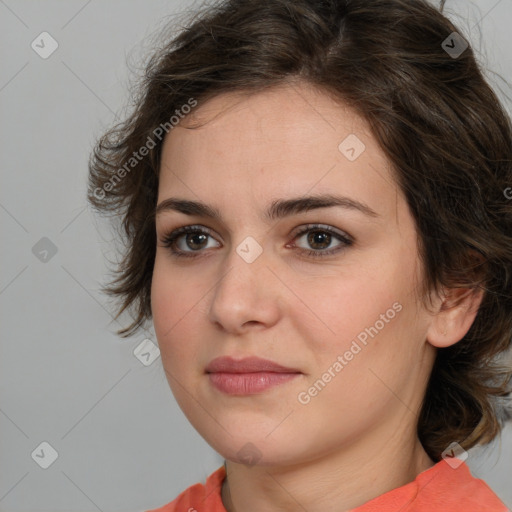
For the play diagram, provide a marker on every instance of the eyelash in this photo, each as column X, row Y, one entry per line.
column 169, row 240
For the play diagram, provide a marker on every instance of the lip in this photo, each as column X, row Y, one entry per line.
column 246, row 365
column 247, row 376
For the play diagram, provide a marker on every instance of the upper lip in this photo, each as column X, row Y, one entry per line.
column 246, row 365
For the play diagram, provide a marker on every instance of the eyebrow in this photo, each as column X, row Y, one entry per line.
column 278, row 209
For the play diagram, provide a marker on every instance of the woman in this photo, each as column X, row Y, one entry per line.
column 314, row 200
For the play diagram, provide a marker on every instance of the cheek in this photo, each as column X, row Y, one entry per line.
column 347, row 305
column 174, row 303
column 370, row 314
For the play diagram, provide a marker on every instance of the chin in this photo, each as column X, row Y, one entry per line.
column 257, row 450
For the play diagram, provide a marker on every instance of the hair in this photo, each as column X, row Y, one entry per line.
column 437, row 120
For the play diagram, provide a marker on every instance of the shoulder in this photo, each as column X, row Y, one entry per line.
column 456, row 489
column 442, row 488
column 199, row 497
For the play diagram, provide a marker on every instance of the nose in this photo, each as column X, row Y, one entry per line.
column 247, row 296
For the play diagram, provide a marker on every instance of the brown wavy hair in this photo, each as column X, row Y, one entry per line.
column 434, row 116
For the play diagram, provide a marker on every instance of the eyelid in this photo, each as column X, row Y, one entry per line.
column 169, row 239
column 299, row 230
column 321, row 227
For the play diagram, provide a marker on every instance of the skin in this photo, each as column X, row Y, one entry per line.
column 356, row 439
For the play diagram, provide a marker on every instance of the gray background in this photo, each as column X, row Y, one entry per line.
column 65, row 377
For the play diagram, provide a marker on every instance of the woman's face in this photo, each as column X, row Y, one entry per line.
column 338, row 309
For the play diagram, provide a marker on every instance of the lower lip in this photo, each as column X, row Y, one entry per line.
column 248, row 383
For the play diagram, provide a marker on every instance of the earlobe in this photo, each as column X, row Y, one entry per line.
column 454, row 317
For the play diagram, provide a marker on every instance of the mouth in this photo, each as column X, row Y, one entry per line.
column 248, row 376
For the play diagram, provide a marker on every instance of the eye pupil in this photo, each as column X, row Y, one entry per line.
column 319, row 237
column 194, row 236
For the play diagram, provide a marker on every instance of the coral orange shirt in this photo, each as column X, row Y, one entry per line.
column 438, row 489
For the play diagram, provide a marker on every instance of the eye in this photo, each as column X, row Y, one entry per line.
column 182, row 239
column 188, row 241
column 320, row 237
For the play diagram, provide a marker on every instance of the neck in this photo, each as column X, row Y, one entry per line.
column 338, row 481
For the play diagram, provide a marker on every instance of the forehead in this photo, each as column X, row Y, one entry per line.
column 297, row 115
column 285, row 141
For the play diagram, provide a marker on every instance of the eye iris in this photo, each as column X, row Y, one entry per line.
column 195, row 236
column 319, row 237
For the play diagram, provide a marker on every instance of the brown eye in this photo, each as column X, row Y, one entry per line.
column 196, row 241
column 187, row 240
column 319, row 239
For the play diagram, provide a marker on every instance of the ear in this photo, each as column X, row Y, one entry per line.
column 455, row 313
